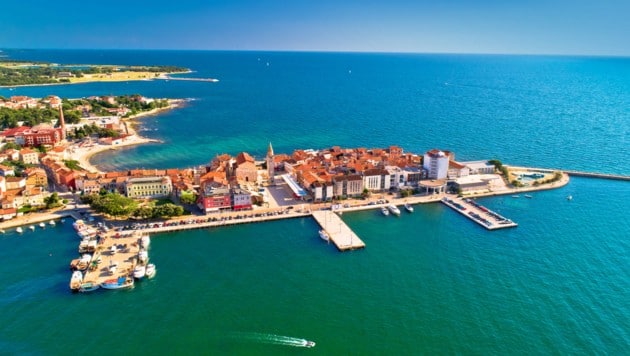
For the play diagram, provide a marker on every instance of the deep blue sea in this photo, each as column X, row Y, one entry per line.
column 430, row 282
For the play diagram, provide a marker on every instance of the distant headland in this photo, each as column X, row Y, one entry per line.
column 14, row 73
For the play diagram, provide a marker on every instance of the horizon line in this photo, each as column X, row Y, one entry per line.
column 324, row 51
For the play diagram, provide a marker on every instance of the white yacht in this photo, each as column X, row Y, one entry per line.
column 42, row 225
column 145, row 241
column 408, row 207
column 384, row 211
column 394, row 209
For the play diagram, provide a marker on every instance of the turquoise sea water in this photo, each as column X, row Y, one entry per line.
column 428, row 282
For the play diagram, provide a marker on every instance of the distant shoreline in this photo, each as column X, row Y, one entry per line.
column 160, row 75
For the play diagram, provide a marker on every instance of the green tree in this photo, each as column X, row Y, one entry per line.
column 188, row 198
column 52, row 201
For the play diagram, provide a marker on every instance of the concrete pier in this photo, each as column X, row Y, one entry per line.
column 340, row 234
column 478, row 213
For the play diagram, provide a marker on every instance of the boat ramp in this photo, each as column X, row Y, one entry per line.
column 340, row 234
column 478, row 213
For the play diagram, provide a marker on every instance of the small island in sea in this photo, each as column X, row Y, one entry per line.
column 15, row 73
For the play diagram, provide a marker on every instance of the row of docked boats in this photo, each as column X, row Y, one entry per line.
column 78, row 284
column 393, row 209
column 20, row 230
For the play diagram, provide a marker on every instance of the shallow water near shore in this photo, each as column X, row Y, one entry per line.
column 427, row 282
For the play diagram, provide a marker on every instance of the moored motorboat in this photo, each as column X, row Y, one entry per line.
column 88, row 287
column 150, row 272
column 42, row 225
column 74, row 264
column 324, row 235
column 118, row 283
column 394, row 209
column 32, row 227
column 145, row 241
column 528, row 196
column 408, row 207
column 19, row 230
column 143, row 256
column 384, row 211
column 52, row 222
column 84, row 262
column 76, row 280
column 139, row 272
column 516, row 196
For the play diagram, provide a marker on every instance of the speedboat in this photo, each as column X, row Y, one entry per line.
column 394, row 209
column 32, row 227
column 409, row 208
column 139, row 271
column 76, row 280
column 309, row 344
column 323, row 235
column 150, row 272
column 384, row 211
column 516, row 196
column 570, row 197
column 19, row 230
column 528, row 196
column 42, row 225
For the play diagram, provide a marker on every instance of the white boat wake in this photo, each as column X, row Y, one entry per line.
column 273, row 339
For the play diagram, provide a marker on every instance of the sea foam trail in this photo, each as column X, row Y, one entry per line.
column 270, row 339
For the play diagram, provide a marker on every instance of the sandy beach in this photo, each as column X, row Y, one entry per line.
column 82, row 154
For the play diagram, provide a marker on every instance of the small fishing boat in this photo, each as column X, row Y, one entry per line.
column 88, row 287
column 52, row 222
column 384, row 211
column 150, row 272
column 570, row 197
column 32, row 227
column 139, row 272
column 516, row 196
column 118, row 283
column 2, row 231
column 42, row 225
column 528, row 196
column 19, row 230
column 408, row 207
column 324, row 235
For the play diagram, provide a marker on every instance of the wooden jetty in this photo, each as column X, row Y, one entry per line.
column 340, row 234
column 478, row 213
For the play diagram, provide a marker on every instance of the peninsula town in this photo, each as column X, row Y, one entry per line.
column 39, row 162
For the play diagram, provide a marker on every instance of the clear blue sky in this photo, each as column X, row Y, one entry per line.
column 593, row 27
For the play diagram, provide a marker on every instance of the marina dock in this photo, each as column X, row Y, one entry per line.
column 340, row 234
column 113, row 249
column 478, row 213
